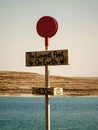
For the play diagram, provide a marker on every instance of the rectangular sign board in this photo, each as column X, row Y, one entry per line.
column 49, row 91
column 42, row 58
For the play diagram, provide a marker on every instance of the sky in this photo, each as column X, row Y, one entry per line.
column 77, row 32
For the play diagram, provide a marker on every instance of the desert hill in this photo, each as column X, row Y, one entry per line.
column 17, row 83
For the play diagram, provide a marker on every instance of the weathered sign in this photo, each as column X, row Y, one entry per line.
column 49, row 91
column 42, row 58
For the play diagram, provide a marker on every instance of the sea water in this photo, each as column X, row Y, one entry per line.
column 67, row 113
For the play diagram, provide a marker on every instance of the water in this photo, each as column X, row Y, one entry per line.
column 67, row 113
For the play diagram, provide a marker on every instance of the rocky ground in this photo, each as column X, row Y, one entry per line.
column 18, row 83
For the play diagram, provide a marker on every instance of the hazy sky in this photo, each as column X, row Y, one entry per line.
column 78, row 32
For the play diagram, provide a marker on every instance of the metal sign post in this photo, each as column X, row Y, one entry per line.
column 47, row 27
column 47, row 85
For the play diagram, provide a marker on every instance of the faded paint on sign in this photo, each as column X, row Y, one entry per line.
column 42, row 58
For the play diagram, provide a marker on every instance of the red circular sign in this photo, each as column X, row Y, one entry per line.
column 47, row 26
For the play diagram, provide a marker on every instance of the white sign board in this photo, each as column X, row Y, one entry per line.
column 42, row 58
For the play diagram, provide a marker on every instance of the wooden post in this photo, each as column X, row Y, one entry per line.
column 47, row 85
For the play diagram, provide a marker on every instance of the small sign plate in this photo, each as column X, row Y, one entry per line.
column 42, row 58
column 49, row 91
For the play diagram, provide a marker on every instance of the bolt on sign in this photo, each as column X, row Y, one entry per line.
column 42, row 58
column 50, row 91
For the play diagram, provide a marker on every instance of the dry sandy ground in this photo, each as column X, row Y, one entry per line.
column 21, row 83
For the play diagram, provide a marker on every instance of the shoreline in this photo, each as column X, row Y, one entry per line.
column 29, row 95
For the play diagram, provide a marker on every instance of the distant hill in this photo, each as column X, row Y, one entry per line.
column 18, row 83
